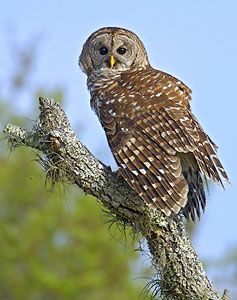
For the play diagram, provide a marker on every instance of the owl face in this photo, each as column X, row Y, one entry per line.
column 112, row 49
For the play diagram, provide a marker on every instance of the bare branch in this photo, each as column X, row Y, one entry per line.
column 180, row 275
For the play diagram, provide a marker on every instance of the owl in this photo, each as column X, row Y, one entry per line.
column 160, row 148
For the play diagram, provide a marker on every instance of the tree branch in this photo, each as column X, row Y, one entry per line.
column 180, row 275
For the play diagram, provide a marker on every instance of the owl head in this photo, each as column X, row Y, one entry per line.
column 112, row 49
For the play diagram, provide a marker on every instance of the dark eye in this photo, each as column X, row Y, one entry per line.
column 121, row 50
column 103, row 50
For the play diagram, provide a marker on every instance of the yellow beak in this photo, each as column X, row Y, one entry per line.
column 112, row 61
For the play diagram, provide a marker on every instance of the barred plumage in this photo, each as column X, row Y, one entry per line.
column 160, row 148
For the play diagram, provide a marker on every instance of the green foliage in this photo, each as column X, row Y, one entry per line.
column 56, row 245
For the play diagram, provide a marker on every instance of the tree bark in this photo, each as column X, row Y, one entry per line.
column 180, row 275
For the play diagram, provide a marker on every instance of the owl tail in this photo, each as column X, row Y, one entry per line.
column 196, row 196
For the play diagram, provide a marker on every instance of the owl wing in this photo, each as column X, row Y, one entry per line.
column 152, row 169
column 194, row 151
column 153, row 134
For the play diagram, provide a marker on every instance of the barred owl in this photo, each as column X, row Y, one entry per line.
column 160, row 148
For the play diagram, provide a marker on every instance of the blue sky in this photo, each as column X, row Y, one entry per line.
column 192, row 40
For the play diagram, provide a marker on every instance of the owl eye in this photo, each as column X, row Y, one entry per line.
column 121, row 50
column 103, row 50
